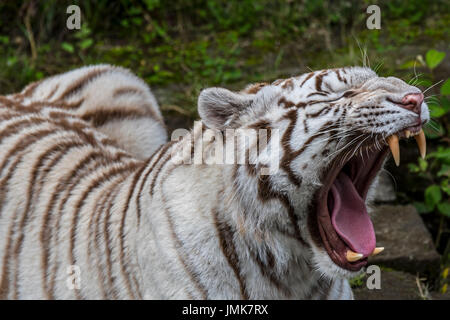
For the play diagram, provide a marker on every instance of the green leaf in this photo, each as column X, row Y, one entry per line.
column 39, row 75
column 11, row 61
column 433, row 58
column 433, row 195
column 4, row 39
column 445, row 186
column 436, row 111
column 422, row 207
column 68, row 47
column 86, row 44
column 423, row 164
column 413, row 167
column 84, row 32
column 409, row 64
column 445, row 103
column 151, row 4
column 444, row 208
column 137, row 21
column 445, row 89
column 444, row 171
column 441, row 154
column 446, row 189
column 357, row 281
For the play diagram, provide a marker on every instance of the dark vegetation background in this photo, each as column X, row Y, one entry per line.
column 179, row 47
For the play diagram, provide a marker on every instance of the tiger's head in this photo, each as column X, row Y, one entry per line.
column 335, row 129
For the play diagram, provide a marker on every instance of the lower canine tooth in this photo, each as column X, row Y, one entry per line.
column 377, row 251
column 353, row 256
column 422, row 143
column 395, row 149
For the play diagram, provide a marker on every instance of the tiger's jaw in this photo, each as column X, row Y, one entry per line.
column 341, row 215
column 340, row 218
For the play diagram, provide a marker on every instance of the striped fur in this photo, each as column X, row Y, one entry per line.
column 85, row 180
column 111, row 99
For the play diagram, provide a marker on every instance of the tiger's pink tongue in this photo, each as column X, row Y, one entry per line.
column 349, row 216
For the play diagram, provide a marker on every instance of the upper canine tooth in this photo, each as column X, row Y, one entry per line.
column 353, row 256
column 377, row 251
column 395, row 149
column 407, row 134
column 422, row 143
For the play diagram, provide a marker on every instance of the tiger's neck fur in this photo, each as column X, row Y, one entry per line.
column 262, row 252
column 155, row 237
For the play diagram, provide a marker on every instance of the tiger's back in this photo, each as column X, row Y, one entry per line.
column 69, row 145
column 111, row 99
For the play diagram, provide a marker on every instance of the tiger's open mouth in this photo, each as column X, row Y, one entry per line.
column 343, row 222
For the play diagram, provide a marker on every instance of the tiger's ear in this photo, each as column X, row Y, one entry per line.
column 220, row 108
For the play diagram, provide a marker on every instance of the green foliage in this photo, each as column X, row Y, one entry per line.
column 200, row 42
column 433, row 196
column 435, row 169
column 445, row 89
column 68, row 47
column 358, row 281
column 434, row 58
column 82, row 41
column 444, row 208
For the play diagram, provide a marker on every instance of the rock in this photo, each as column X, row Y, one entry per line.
column 440, row 296
column 407, row 242
column 384, row 192
column 395, row 285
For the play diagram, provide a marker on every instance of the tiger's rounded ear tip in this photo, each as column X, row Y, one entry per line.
column 209, row 90
column 206, row 94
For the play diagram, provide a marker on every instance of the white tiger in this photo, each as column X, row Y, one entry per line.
column 81, row 218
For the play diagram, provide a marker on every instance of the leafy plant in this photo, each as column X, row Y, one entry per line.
column 83, row 41
column 435, row 169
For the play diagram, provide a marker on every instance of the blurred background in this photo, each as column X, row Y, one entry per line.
column 179, row 47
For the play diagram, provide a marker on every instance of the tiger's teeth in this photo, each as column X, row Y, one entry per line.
column 395, row 149
column 422, row 143
column 377, row 251
column 353, row 256
column 407, row 134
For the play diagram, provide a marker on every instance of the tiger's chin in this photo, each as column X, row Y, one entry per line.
column 340, row 224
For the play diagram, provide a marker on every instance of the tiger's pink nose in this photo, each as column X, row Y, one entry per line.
column 413, row 102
